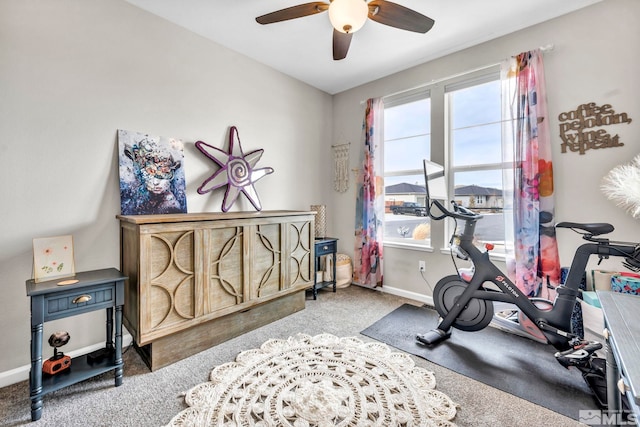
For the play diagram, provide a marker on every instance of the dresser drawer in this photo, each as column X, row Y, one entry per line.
column 325, row 247
column 78, row 301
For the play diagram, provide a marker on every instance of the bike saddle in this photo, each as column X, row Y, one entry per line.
column 595, row 229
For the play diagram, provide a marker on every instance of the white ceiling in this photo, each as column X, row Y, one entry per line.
column 302, row 48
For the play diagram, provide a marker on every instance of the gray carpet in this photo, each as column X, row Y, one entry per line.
column 508, row 362
column 152, row 398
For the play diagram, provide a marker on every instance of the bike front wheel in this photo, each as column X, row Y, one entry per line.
column 476, row 314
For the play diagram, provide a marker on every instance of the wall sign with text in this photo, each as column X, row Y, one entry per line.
column 583, row 128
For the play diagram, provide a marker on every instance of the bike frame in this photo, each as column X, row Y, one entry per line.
column 555, row 323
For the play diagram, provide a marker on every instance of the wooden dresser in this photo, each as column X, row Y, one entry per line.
column 198, row 279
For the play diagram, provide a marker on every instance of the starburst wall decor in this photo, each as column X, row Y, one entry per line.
column 236, row 171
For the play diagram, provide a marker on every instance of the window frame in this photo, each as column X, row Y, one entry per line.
column 440, row 142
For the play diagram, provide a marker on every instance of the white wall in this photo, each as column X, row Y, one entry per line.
column 594, row 60
column 72, row 72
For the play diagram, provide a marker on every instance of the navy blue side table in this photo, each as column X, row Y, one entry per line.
column 94, row 290
column 324, row 246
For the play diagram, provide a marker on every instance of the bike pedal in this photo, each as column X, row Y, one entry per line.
column 579, row 356
column 591, row 346
column 578, row 362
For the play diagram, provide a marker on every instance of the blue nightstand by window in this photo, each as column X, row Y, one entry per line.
column 324, row 246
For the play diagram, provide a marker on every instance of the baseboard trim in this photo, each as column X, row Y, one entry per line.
column 407, row 294
column 21, row 373
column 426, row 299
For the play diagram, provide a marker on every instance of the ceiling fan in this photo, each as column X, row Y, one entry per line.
column 348, row 16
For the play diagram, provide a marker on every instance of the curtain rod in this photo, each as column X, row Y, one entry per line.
column 435, row 81
column 545, row 48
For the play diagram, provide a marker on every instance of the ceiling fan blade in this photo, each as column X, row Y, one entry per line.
column 341, row 42
column 293, row 12
column 394, row 15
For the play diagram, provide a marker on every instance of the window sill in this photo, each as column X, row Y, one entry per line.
column 408, row 246
column 494, row 256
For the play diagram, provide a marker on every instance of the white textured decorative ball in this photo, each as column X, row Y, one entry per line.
column 622, row 185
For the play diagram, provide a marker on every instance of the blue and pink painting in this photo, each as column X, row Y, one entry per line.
column 152, row 179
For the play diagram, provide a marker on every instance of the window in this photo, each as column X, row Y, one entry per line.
column 407, row 140
column 456, row 122
column 475, row 152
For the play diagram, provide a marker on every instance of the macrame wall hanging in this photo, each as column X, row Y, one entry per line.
column 341, row 167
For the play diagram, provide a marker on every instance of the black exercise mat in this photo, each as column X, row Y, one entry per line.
column 508, row 362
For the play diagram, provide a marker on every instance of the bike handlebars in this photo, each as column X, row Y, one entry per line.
column 459, row 212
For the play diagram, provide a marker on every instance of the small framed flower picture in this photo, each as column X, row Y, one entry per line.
column 53, row 258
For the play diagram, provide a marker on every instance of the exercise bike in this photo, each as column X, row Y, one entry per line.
column 466, row 301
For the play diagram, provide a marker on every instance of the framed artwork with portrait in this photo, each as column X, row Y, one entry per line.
column 151, row 169
column 53, row 258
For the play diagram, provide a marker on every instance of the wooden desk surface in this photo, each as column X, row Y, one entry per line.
column 622, row 317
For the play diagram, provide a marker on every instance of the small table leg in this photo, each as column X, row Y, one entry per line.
column 118, row 350
column 335, row 279
column 315, row 277
column 35, row 376
column 109, row 342
column 614, row 402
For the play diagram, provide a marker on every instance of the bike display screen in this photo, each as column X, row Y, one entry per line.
column 435, row 182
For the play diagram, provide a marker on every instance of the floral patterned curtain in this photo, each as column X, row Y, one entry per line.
column 533, row 261
column 370, row 200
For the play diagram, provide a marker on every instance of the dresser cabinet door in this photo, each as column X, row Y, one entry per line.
column 168, row 279
column 222, row 269
column 300, row 238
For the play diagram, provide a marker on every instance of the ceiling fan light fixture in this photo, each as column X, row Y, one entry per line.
column 348, row 16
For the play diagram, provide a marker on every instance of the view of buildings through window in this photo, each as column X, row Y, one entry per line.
column 472, row 146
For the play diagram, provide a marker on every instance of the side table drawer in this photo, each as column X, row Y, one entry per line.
column 75, row 302
column 324, row 248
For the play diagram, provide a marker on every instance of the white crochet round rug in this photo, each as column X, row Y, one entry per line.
column 319, row 381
